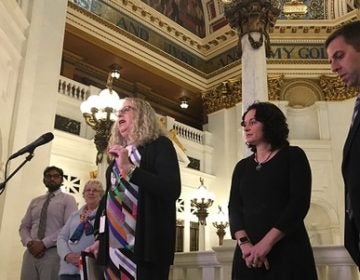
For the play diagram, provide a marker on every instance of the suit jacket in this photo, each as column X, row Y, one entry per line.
column 159, row 184
column 350, row 170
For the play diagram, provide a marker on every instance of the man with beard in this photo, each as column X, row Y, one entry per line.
column 39, row 228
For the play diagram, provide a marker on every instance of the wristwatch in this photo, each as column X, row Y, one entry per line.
column 243, row 240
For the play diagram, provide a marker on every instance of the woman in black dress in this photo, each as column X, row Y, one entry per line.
column 270, row 197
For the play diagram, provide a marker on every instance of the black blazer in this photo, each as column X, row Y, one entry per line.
column 159, row 184
column 351, row 174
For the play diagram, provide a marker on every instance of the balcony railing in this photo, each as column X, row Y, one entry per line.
column 73, row 89
column 332, row 263
column 189, row 133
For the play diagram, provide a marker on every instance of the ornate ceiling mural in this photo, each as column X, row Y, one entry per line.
column 199, row 17
column 187, row 13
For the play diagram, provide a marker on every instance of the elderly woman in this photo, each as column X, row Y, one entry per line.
column 138, row 219
column 78, row 232
column 269, row 199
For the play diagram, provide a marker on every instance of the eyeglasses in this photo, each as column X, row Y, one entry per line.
column 126, row 109
column 250, row 123
column 91, row 190
column 55, row 176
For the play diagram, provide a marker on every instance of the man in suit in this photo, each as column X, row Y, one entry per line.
column 39, row 228
column 343, row 49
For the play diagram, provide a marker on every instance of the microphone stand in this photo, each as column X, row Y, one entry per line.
column 3, row 184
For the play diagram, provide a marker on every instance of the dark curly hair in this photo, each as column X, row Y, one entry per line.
column 275, row 128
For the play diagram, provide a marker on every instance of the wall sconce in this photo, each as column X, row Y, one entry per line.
column 203, row 199
column 99, row 113
column 184, row 102
column 221, row 222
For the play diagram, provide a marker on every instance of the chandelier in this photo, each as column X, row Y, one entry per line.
column 99, row 112
column 203, row 199
column 220, row 223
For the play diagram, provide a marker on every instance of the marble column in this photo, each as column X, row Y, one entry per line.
column 32, row 114
column 253, row 21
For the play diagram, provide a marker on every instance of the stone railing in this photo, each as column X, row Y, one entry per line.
column 73, row 89
column 189, row 133
column 196, row 266
column 332, row 262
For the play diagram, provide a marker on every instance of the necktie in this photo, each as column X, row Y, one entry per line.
column 43, row 216
column 356, row 109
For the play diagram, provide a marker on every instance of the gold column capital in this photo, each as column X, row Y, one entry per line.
column 247, row 16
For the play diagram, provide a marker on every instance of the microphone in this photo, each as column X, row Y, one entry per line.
column 43, row 139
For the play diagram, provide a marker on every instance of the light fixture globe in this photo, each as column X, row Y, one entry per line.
column 184, row 102
column 115, row 74
column 184, row 105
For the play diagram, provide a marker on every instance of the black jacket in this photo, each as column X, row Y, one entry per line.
column 159, row 184
column 350, row 171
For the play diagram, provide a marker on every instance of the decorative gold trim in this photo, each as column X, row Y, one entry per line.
column 295, row 9
column 252, row 16
column 298, row 61
column 228, row 93
column 275, row 84
column 225, row 95
column 334, row 89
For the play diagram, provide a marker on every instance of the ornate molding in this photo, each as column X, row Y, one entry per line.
column 228, row 93
column 295, row 9
column 225, row 95
column 247, row 16
column 275, row 84
column 334, row 89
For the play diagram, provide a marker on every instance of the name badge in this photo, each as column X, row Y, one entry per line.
column 102, row 224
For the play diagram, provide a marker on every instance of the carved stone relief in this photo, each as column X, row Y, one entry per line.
column 301, row 93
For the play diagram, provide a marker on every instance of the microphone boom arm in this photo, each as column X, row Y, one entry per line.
column 3, row 184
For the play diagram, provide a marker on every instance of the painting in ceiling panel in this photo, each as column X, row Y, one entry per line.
column 187, row 13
